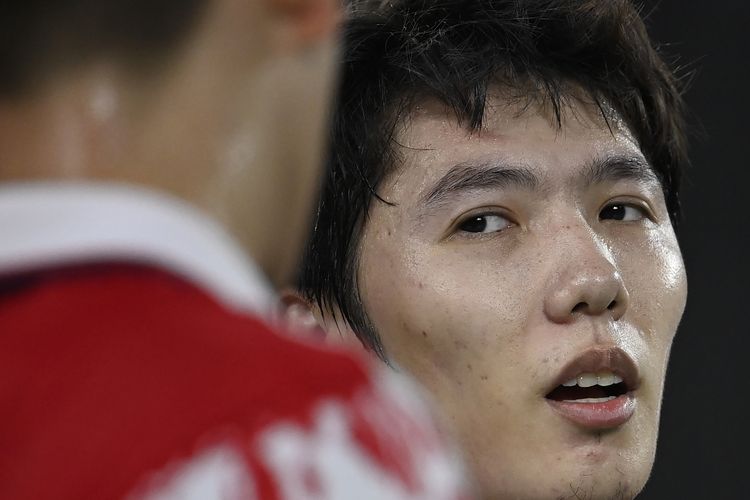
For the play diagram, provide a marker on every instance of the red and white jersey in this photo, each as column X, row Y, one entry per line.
column 128, row 374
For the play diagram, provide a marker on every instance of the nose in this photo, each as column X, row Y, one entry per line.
column 587, row 284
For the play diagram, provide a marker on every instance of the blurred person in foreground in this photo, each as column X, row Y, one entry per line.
column 157, row 159
column 498, row 222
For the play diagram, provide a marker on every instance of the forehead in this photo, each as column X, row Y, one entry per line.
column 431, row 141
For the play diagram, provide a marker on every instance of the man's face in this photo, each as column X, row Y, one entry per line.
column 516, row 260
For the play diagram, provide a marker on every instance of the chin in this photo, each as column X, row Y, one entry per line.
column 583, row 487
column 618, row 480
column 589, row 473
column 610, row 487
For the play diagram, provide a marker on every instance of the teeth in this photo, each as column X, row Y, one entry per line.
column 603, row 379
column 606, row 378
column 587, row 380
column 590, row 400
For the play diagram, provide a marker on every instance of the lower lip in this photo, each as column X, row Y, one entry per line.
column 605, row 415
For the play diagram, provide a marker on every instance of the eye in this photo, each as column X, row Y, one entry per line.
column 484, row 223
column 622, row 212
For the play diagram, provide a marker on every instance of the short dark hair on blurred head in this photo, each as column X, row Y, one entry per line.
column 399, row 53
column 38, row 37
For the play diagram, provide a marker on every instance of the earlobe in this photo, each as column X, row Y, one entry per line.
column 306, row 320
column 297, row 316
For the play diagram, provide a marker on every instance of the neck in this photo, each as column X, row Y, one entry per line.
column 68, row 130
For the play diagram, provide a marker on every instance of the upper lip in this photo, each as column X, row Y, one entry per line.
column 600, row 359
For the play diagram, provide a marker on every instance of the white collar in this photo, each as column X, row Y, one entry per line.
column 43, row 224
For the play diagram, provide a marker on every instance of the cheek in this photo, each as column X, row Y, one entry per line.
column 441, row 314
column 654, row 275
column 417, row 312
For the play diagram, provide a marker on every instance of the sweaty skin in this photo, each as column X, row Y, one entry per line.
column 484, row 293
column 233, row 122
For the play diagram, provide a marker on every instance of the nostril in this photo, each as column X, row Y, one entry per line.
column 579, row 307
column 612, row 305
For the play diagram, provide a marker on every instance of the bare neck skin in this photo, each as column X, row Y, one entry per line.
column 232, row 124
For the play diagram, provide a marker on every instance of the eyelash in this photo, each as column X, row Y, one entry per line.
column 644, row 210
column 479, row 234
column 641, row 207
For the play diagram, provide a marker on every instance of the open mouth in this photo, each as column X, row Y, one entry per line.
column 590, row 388
column 596, row 390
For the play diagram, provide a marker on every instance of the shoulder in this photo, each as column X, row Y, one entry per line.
column 173, row 393
column 138, row 327
column 379, row 443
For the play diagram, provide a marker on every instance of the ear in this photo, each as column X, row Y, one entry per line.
column 297, row 315
column 308, row 20
column 302, row 318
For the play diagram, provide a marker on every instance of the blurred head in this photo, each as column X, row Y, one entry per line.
column 220, row 102
column 498, row 221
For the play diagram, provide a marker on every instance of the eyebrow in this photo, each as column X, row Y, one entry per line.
column 617, row 168
column 466, row 177
column 472, row 177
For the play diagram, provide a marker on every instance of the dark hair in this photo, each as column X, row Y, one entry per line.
column 402, row 52
column 38, row 37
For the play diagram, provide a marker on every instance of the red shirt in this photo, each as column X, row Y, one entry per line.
column 123, row 381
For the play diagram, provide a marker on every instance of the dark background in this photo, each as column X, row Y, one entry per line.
column 705, row 433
